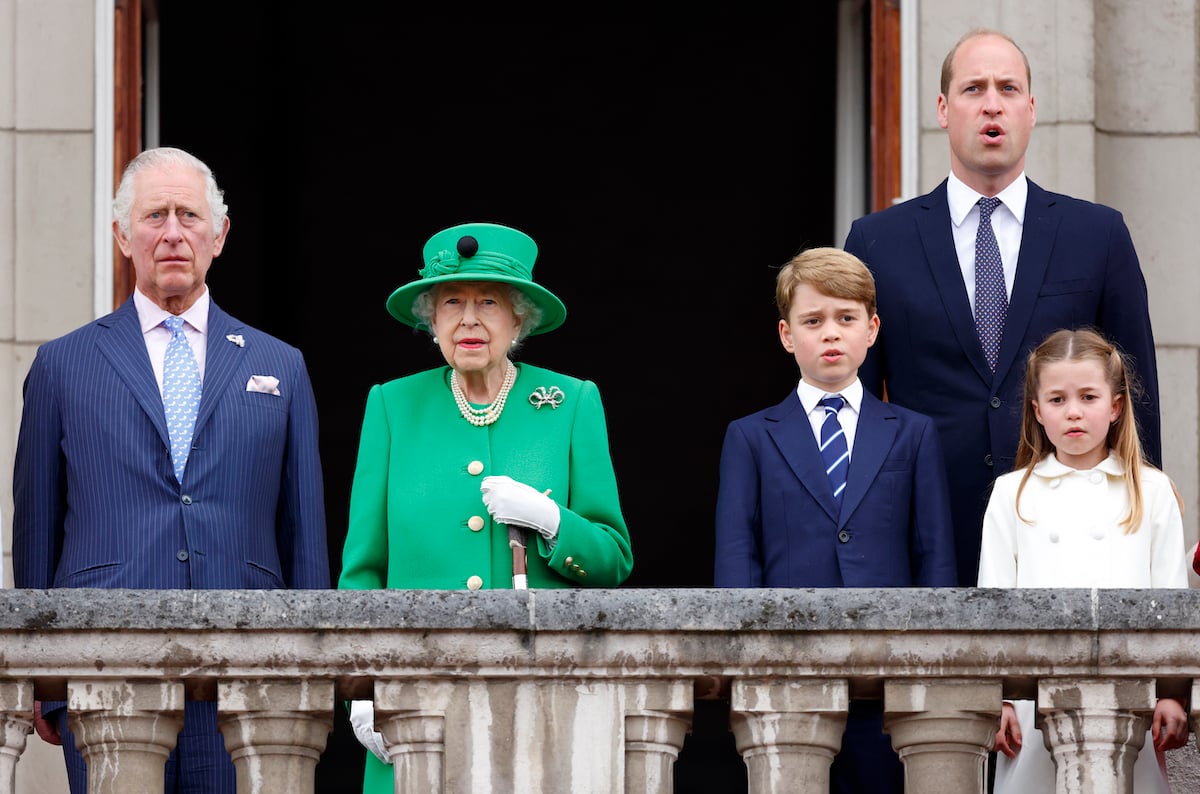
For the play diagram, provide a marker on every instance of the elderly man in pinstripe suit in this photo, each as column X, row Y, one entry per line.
column 99, row 502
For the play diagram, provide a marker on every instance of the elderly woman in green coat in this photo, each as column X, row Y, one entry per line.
column 482, row 473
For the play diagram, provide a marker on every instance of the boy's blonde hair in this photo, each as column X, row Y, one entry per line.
column 831, row 271
column 1084, row 345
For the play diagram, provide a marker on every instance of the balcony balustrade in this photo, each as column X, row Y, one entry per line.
column 593, row 690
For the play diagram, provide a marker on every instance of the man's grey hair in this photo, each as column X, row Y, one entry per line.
column 123, row 200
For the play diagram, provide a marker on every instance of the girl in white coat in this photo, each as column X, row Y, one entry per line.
column 1082, row 508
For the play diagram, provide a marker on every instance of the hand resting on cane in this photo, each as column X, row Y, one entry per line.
column 513, row 502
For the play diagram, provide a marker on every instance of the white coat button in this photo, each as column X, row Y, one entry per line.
column 474, row 583
column 1098, row 534
column 1055, row 483
column 1054, row 535
column 475, row 523
column 475, row 467
column 1095, row 478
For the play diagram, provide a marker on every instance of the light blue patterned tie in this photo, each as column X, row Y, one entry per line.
column 834, row 450
column 181, row 393
column 991, row 296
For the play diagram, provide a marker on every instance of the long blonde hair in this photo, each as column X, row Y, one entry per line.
column 1084, row 345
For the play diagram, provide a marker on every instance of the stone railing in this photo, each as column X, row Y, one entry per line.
column 501, row 690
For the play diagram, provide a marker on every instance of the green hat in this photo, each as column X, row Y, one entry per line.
column 479, row 252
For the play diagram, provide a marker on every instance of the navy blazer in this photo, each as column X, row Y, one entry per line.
column 1077, row 268
column 778, row 525
column 96, row 499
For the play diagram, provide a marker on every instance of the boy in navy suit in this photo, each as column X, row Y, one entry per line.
column 788, row 516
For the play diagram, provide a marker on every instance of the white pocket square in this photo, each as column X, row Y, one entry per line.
column 267, row 384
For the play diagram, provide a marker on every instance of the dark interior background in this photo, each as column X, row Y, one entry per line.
column 665, row 170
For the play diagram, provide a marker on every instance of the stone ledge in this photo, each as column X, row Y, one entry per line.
column 698, row 610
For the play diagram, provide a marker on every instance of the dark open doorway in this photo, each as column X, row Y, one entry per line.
column 665, row 170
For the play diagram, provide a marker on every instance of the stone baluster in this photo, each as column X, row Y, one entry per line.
column 275, row 731
column 16, row 722
column 788, row 732
column 657, row 717
column 412, row 718
column 1095, row 728
column 942, row 730
column 125, row 730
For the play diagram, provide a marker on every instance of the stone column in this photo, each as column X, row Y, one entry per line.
column 942, row 730
column 16, row 722
column 1095, row 728
column 275, row 731
column 412, row 719
column 788, row 732
column 125, row 730
column 657, row 717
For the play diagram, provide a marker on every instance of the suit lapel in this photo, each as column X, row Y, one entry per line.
column 937, row 238
column 221, row 360
column 122, row 343
column 1037, row 240
column 789, row 428
column 873, row 439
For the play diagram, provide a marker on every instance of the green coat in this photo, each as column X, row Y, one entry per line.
column 415, row 494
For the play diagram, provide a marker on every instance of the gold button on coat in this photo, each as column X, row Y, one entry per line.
column 475, row 467
column 475, row 523
column 474, row 583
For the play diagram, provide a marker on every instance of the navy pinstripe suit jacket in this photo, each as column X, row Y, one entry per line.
column 96, row 500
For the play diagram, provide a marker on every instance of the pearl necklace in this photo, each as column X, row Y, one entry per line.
column 481, row 417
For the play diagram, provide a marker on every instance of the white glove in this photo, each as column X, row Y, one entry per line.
column 362, row 719
column 512, row 502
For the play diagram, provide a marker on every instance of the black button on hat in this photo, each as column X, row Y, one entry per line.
column 467, row 245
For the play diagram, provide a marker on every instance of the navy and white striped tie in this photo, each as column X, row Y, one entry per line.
column 834, row 450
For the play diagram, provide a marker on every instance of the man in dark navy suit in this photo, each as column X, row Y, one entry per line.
column 1067, row 263
column 101, row 497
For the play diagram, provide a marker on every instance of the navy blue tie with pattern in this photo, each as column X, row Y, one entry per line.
column 834, row 450
column 991, row 296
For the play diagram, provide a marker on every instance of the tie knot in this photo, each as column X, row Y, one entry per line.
column 174, row 324
column 986, row 206
column 833, row 404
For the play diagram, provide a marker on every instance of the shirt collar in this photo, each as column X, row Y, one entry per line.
column 962, row 199
column 810, row 395
column 1050, row 468
column 151, row 315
